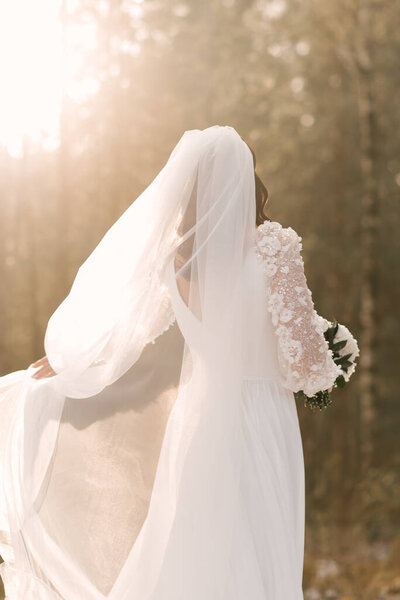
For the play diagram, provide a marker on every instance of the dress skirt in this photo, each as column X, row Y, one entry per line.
column 267, row 545
column 267, row 556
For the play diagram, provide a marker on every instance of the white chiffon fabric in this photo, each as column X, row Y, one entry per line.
column 170, row 470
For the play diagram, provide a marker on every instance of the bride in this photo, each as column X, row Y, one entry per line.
column 154, row 453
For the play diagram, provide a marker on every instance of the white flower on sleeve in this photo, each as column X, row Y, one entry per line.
column 270, row 269
column 286, row 315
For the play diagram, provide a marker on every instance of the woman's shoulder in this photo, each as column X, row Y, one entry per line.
column 273, row 234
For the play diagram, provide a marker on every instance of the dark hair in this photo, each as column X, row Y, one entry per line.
column 262, row 196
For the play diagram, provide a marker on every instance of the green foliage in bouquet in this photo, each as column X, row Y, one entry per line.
column 323, row 398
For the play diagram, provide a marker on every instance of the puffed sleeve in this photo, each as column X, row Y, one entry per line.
column 305, row 359
column 132, row 341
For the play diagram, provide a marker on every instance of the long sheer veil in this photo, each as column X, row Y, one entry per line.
column 123, row 469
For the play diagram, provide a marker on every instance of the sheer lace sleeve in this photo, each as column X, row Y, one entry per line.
column 165, row 317
column 305, row 359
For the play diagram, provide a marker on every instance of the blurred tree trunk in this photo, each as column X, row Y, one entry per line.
column 61, row 225
column 351, row 39
column 367, row 112
column 25, row 220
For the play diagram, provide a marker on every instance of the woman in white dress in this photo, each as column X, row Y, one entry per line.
column 155, row 452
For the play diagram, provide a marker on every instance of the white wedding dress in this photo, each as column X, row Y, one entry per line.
column 183, row 478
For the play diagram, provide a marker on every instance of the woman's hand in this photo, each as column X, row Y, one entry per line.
column 44, row 371
column 330, row 389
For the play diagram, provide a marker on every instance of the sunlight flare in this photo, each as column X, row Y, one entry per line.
column 34, row 70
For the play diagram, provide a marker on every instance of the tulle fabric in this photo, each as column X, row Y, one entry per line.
column 166, row 470
column 268, row 548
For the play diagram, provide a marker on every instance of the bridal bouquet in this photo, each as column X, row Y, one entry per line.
column 345, row 350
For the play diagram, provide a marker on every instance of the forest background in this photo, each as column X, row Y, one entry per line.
column 90, row 111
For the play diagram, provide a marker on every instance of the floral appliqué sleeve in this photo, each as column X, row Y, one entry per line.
column 304, row 357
